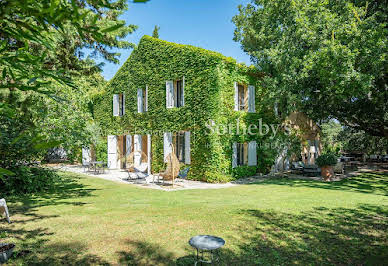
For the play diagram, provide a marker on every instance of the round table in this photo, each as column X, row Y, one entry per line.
column 206, row 243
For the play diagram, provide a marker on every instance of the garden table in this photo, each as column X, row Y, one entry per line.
column 206, row 243
column 94, row 164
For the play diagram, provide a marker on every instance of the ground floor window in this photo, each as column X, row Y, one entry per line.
column 242, row 154
column 179, row 143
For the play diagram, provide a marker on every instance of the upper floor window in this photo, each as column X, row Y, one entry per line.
column 118, row 104
column 179, row 93
column 175, row 93
column 142, row 100
column 244, row 98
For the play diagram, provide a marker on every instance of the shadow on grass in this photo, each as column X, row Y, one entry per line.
column 24, row 209
column 144, row 253
column 321, row 237
column 376, row 183
column 66, row 191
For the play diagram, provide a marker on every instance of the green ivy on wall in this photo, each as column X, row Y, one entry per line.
column 209, row 94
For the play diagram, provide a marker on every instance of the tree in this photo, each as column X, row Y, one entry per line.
column 41, row 40
column 326, row 58
column 41, row 54
column 155, row 33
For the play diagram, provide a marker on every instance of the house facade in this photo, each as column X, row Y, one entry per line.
column 177, row 98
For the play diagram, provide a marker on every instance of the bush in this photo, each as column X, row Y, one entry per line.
column 244, row 171
column 28, row 180
column 327, row 159
column 215, row 177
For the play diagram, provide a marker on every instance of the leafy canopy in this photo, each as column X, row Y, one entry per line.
column 327, row 58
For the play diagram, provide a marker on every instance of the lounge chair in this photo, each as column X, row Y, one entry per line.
column 136, row 164
column 4, row 209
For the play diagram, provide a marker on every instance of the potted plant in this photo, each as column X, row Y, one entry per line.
column 326, row 163
column 6, row 251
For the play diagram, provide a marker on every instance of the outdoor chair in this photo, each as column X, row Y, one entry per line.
column 311, row 170
column 183, row 174
column 339, row 168
column 297, row 167
column 172, row 169
column 4, row 209
column 136, row 162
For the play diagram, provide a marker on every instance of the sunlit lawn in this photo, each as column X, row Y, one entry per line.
column 280, row 221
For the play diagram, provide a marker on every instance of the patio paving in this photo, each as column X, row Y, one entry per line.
column 149, row 181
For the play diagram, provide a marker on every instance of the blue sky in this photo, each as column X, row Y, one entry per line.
column 202, row 23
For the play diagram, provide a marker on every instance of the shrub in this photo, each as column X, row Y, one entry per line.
column 327, row 159
column 28, row 180
column 244, row 171
column 215, row 177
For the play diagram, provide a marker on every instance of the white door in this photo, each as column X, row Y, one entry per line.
column 112, row 152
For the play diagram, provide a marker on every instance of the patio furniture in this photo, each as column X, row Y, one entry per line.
column 4, row 209
column 172, row 169
column 311, row 170
column 339, row 168
column 183, row 174
column 96, row 166
column 297, row 167
column 206, row 244
column 86, row 165
column 136, row 162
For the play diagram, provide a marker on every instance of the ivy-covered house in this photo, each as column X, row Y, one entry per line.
column 200, row 101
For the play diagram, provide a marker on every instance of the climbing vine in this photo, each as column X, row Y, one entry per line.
column 209, row 95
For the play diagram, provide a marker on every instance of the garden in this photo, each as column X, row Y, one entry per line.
column 87, row 221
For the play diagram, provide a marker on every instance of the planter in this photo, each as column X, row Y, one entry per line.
column 327, row 172
column 6, row 251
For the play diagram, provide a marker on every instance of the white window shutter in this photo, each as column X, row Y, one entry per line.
column 252, row 154
column 137, row 145
column 112, row 152
column 123, row 104
column 116, row 105
column 146, row 99
column 169, row 94
column 235, row 96
column 251, row 99
column 139, row 100
column 128, row 140
column 183, row 91
column 167, row 148
column 234, row 155
column 187, row 148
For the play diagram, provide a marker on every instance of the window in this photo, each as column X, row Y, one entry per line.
column 142, row 100
column 118, row 104
column 242, row 154
column 179, row 94
column 145, row 103
column 179, row 143
column 121, row 104
column 242, row 98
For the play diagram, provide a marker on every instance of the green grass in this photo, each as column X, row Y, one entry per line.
column 276, row 222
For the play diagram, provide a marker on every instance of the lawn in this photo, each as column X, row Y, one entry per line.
column 276, row 222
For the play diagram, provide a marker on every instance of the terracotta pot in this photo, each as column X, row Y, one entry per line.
column 327, row 172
